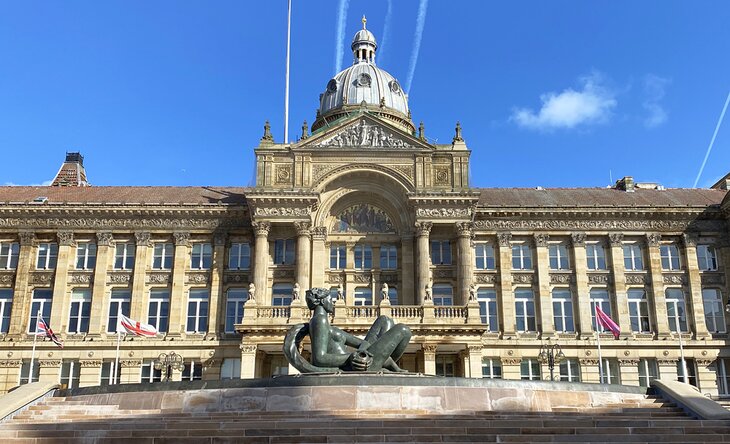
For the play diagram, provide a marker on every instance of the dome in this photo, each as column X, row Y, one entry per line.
column 364, row 85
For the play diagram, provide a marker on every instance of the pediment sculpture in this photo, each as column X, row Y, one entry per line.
column 362, row 218
column 363, row 135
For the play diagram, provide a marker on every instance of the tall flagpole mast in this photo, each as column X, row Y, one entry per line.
column 119, row 336
column 598, row 339
column 32, row 355
column 286, row 92
column 681, row 354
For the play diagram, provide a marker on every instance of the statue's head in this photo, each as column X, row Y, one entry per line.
column 319, row 296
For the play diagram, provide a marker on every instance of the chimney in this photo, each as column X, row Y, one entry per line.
column 72, row 172
column 626, row 184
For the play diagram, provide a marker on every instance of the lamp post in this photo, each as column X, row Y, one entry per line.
column 551, row 354
column 168, row 363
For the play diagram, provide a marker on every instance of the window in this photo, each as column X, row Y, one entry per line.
column 611, row 373
column 6, row 305
column 78, row 318
column 85, row 256
column 159, row 309
column 109, row 373
column 691, row 372
column 521, row 257
column 676, row 312
column 530, row 370
column 41, row 302
column 525, row 310
column 714, row 313
column 393, row 295
column 706, row 258
column 445, row 365
column 484, row 254
column 124, row 256
column 235, row 298
column 599, row 298
column 197, row 311
column 388, row 257
column 648, row 371
column 632, row 257
column 638, row 311
column 363, row 296
column 595, row 256
column 70, row 372
column 570, row 370
column 670, row 257
column 231, row 368
column 363, row 257
column 563, row 310
column 25, row 371
column 281, row 294
column 441, row 252
column 487, row 299
column 491, row 368
column 47, row 256
column 443, row 294
column 201, row 257
column 149, row 374
column 279, row 366
column 558, row 255
column 284, row 251
column 162, row 256
column 338, row 257
column 9, row 255
column 118, row 303
column 239, row 256
column 193, row 371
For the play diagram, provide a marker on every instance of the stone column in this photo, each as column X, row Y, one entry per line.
column 429, row 359
column 511, row 368
column 406, row 293
column 100, row 295
column 138, row 306
column 61, row 304
column 629, row 369
column 319, row 256
column 90, row 373
column 49, row 370
column 589, row 371
column 178, row 296
column 707, row 376
column 261, row 263
column 582, row 297
column 423, row 267
column 506, row 294
column 667, row 369
column 130, row 372
column 217, row 303
column 464, row 230
column 248, row 361
column 9, row 373
column 20, row 314
column 621, row 316
column 543, row 296
column 303, row 253
column 694, row 299
column 658, row 300
column 475, row 361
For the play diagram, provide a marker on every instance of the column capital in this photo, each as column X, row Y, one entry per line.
column 429, row 349
column 181, row 238
column 26, row 238
column 247, row 348
column 319, row 233
column 616, row 239
column 104, row 238
column 220, row 238
column 65, row 237
column 690, row 239
column 653, row 239
column 423, row 228
column 579, row 238
column 142, row 238
column 261, row 228
column 541, row 239
column 303, row 228
column 465, row 229
column 504, row 238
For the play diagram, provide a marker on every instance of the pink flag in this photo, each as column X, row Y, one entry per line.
column 607, row 323
column 126, row 325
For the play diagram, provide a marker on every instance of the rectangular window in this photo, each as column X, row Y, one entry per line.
column 638, row 311
column 119, row 302
column 193, row 371
column 599, row 298
column 149, row 373
column 281, row 294
column 239, row 256
column 231, row 368
column 570, row 370
column 484, row 254
column 9, row 252
column 632, row 257
column 47, row 256
column 714, row 310
column 201, row 257
column 197, row 311
column 25, row 372
column 443, row 294
column 563, row 310
column 70, row 372
column 363, row 257
column 6, row 305
column 521, row 257
column 670, row 257
column 530, row 370
column 491, row 368
column 41, row 302
column 676, row 312
column 393, row 295
column 78, row 318
column 124, row 256
column 388, row 257
column 648, row 371
column 158, row 314
column 363, row 296
column 595, row 257
column 445, row 365
column 525, row 310
column 162, row 256
column 441, row 252
column 611, row 372
column 706, row 258
column 110, row 375
column 235, row 299
column 338, row 257
column 691, row 372
column 558, row 257
column 284, row 251
column 85, row 256
column 487, row 299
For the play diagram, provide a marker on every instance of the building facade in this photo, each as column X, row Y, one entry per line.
column 364, row 205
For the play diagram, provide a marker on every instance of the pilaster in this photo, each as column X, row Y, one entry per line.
column 50, row 370
column 131, row 372
column 100, row 295
column 216, row 310
column 506, row 295
column 619, row 283
column 582, row 296
column 261, row 262
column 667, row 369
column 658, row 302
column 303, row 253
column 429, row 359
column 423, row 266
column 61, row 305
column 89, row 373
column 177, row 292
column 629, row 369
column 694, row 280
column 464, row 231
column 475, row 361
column 139, row 294
column 511, row 368
column 543, row 296
column 707, row 376
column 21, row 292
column 319, row 256
column 589, row 371
column 407, row 294
column 248, row 361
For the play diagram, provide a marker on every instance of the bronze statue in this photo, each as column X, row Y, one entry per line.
column 383, row 345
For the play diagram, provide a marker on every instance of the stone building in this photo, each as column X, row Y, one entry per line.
column 365, row 205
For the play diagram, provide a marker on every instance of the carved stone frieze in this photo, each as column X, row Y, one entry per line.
column 142, row 238
column 579, row 238
column 504, row 239
column 335, row 278
column 541, row 239
column 628, row 361
column 282, row 174
column 675, row 278
column 158, row 278
column 283, row 211
column 484, row 278
column 119, row 277
column 588, row 362
column 83, row 278
column 319, row 170
column 599, row 278
column 283, row 273
column 198, row 277
column 49, row 362
column 406, row 170
column 10, row 363
column 181, row 238
column 104, row 238
column 65, row 237
column 561, row 278
column 247, row 348
column 390, row 278
column 704, row 362
column 667, row 362
column 363, row 135
column 442, row 274
column 511, row 361
column 190, row 221
column 637, row 278
column 230, row 277
column 130, row 363
column 522, row 278
column 7, row 278
column 40, row 277
column 444, row 212
column 712, row 279
column 87, row 363
column 362, row 278
column 441, row 175
column 591, row 224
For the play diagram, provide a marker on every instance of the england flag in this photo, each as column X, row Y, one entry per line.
column 132, row 327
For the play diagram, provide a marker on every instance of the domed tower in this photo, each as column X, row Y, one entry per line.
column 364, row 86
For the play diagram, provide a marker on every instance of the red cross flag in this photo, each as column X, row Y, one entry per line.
column 126, row 325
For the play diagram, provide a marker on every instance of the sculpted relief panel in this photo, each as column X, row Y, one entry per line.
column 363, row 135
column 363, row 218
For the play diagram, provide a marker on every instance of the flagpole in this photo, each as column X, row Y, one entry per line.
column 598, row 340
column 119, row 336
column 286, row 92
column 681, row 354
column 32, row 355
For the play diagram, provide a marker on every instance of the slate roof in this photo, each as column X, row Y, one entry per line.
column 126, row 195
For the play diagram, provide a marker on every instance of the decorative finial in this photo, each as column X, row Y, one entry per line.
column 421, row 131
column 267, row 133
column 305, row 130
column 364, row 21
column 457, row 136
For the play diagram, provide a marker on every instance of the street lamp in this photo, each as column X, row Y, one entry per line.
column 168, row 363
column 550, row 354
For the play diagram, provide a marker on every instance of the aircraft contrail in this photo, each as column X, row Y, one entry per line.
column 712, row 142
column 386, row 30
column 420, row 22
column 340, row 33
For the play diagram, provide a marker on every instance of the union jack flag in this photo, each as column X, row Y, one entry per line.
column 43, row 329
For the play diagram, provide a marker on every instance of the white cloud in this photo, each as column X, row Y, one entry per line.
column 591, row 104
column 44, row 184
column 654, row 90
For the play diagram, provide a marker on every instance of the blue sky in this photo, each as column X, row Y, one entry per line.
column 553, row 94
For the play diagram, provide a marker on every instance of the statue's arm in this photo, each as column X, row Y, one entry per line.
column 355, row 342
column 319, row 334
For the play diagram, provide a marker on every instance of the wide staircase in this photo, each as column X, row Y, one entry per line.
column 65, row 420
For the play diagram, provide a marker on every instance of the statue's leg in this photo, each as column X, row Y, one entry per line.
column 390, row 345
column 380, row 326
